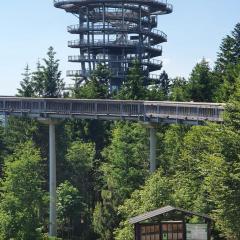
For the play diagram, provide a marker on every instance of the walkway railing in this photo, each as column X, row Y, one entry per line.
column 84, row 27
column 115, row 73
column 101, row 59
column 169, row 7
column 145, row 111
column 96, row 43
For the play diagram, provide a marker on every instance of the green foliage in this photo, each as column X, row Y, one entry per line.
column 155, row 93
column 227, row 65
column 103, row 167
column 201, row 85
column 97, row 86
column 3, row 145
column 232, row 111
column 69, row 206
column 230, row 82
column 20, row 209
column 179, row 90
column 80, row 157
column 164, row 84
column 80, row 160
column 133, row 88
column 46, row 81
column 154, row 194
column 69, row 202
column 19, row 131
column 50, row 76
column 171, row 147
column 229, row 53
column 104, row 216
column 37, row 80
column 127, row 159
column 205, row 179
column 212, row 158
column 124, row 171
column 26, row 89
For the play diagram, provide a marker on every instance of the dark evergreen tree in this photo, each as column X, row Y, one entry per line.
column 229, row 53
column 225, row 56
column 53, row 83
column 26, row 89
column 201, row 85
column 3, row 147
column 47, row 81
column 78, row 82
column 164, row 83
column 97, row 86
column 124, row 170
column 69, row 210
column 232, row 115
column 227, row 64
column 179, row 90
column 37, row 80
column 230, row 83
column 133, row 88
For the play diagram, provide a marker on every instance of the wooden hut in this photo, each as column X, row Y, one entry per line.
column 171, row 223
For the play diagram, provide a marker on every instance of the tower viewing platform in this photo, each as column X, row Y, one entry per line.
column 115, row 33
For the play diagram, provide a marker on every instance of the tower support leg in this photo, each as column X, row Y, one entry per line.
column 52, row 181
column 153, row 143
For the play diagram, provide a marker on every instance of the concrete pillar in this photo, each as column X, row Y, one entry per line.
column 52, row 181
column 153, row 143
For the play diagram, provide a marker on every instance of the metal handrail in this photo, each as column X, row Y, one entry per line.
column 131, row 17
column 147, row 111
column 76, row 43
column 165, row 2
column 77, row 27
column 87, row 73
column 107, row 58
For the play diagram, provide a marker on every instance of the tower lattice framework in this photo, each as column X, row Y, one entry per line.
column 114, row 33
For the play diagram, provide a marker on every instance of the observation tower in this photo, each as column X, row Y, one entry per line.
column 114, row 33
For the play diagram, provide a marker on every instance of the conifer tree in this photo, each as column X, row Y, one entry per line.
column 53, row 83
column 229, row 53
column 26, row 89
column 37, row 80
column 134, row 88
column 179, row 90
column 97, row 86
column 201, row 85
column 226, row 64
column 47, row 79
column 164, row 83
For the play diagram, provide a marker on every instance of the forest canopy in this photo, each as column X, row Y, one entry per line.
column 103, row 171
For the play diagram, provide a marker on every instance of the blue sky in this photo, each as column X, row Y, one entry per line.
column 28, row 27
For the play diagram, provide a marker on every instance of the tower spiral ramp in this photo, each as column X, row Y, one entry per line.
column 114, row 33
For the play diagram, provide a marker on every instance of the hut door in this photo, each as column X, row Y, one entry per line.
column 172, row 231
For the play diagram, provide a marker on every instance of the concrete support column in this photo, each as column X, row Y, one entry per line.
column 153, row 144
column 52, row 181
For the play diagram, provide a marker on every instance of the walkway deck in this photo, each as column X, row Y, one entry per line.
column 144, row 111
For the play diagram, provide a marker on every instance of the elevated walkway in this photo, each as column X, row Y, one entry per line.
column 143, row 111
column 49, row 111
